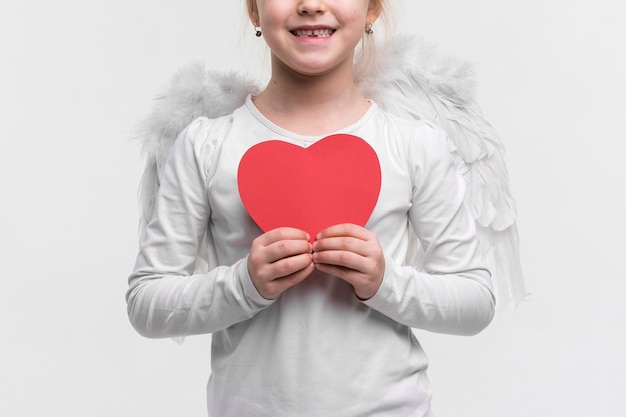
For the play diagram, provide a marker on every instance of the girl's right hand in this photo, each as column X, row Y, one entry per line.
column 278, row 260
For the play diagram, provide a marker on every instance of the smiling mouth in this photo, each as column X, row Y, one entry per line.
column 313, row 33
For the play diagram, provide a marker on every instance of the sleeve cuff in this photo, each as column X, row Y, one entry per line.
column 385, row 289
column 249, row 290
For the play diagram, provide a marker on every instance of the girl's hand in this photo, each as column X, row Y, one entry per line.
column 352, row 253
column 278, row 260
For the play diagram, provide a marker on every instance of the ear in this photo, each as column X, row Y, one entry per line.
column 253, row 12
column 374, row 9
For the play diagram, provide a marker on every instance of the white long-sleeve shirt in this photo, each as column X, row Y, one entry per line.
column 317, row 350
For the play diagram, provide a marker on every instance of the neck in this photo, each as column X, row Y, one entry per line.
column 311, row 104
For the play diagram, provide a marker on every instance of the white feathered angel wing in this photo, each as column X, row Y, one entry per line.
column 193, row 92
column 408, row 80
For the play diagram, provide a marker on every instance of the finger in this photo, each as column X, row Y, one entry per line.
column 345, row 229
column 285, row 249
column 295, row 277
column 342, row 243
column 290, row 265
column 276, row 287
column 279, row 259
column 279, row 243
column 282, row 233
column 364, row 286
column 340, row 258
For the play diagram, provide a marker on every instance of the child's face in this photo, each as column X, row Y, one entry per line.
column 313, row 37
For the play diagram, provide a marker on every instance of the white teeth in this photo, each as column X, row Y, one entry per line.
column 318, row 33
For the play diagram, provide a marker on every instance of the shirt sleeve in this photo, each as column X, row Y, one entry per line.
column 165, row 298
column 453, row 294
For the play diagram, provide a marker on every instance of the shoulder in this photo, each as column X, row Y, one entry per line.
column 203, row 128
column 203, row 133
column 424, row 147
column 418, row 136
column 196, row 144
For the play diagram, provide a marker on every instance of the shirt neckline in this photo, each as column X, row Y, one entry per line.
column 306, row 138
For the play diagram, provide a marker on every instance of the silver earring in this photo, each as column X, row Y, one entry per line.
column 258, row 31
column 368, row 29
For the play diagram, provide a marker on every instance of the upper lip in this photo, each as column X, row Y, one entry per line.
column 312, row 27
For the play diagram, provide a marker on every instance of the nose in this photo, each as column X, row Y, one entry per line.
column 311, row 7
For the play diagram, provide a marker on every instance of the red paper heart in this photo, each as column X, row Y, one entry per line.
column 335, row 180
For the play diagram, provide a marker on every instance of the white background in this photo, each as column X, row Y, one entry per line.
column 75, row 76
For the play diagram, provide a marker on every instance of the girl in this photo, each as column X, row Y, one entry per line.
column 321, row 328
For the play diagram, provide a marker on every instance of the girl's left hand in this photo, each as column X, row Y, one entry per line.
column 352, row 253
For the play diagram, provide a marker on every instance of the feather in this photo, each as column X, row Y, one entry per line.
column 193, row 92
column 410, row 80
column 407, row 79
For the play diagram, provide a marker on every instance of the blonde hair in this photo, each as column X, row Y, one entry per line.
column 384, row 29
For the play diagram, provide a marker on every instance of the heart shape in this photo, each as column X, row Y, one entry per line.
column 335, row 180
